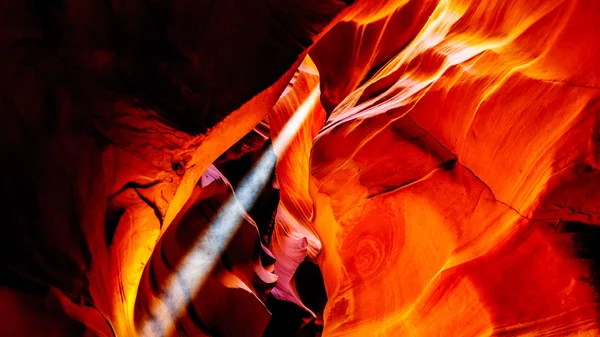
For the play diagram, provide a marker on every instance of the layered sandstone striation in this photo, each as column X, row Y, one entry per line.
column 444, row 179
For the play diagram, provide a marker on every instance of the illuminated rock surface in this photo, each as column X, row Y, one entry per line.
column 441, row 176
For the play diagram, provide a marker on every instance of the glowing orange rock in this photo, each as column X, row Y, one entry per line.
column 446, row 183
column 431, row 177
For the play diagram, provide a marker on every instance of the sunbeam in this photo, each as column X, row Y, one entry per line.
column 202, row 258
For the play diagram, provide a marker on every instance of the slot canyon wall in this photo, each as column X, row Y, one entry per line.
column 300, row 168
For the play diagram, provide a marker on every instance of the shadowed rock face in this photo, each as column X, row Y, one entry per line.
column 445, row 183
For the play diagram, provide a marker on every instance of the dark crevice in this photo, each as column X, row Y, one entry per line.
column 157, row 212
column 447, row 165
column 197, row 320
column 471, row 171
column 133, row 184
column 584, row 86
column 111, row 221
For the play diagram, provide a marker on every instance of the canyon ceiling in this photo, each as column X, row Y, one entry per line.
column 303, row 168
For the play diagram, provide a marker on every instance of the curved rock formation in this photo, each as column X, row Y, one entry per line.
column 300, row 168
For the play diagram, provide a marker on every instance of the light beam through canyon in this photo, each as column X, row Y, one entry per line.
column 202, row 258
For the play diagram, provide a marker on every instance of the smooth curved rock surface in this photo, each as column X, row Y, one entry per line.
column 443, row 179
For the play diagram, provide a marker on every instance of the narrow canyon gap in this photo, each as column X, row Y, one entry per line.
column 299, row 168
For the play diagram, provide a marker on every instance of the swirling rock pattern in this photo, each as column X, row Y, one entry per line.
column 443, row 180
